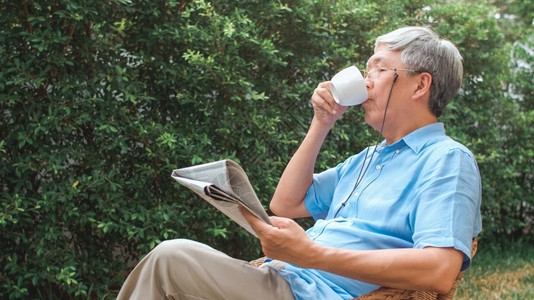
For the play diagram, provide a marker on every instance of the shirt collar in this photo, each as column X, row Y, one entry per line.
column 417, row 139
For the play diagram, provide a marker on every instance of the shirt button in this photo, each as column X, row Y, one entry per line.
column 378, row 167
column 397, row 151
column 313, row 234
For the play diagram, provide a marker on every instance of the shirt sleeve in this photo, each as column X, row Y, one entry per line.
column 326, row 185
column 447, row 208
column 320, row 194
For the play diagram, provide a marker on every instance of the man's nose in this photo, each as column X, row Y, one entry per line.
column 368, row 83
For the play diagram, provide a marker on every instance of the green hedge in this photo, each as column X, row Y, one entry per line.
column 100, row 100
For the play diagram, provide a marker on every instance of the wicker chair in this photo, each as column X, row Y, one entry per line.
column 394, row 294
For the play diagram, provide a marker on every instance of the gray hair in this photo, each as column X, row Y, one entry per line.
column 424, row 51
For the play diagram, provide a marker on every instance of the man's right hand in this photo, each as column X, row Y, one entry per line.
column 326, row 110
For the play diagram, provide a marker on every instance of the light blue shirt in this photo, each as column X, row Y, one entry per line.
column 424, row 190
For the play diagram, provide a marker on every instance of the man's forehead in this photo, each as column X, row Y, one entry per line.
column 374, row 60
column 384, row 56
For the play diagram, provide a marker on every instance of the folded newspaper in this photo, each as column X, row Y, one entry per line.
column 225, row 185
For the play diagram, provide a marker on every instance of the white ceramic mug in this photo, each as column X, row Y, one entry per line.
column 348, row 87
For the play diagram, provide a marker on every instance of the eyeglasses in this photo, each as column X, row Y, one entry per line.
column 374, row 73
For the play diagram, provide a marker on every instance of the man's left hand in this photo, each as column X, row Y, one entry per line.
column 286, row 240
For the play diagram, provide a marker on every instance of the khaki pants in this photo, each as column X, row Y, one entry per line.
column 184, row 269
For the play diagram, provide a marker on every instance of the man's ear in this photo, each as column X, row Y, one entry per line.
column 423, row 86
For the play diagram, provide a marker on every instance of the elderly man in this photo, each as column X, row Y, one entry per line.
column 401, row 213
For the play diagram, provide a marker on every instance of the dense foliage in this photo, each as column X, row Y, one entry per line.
column 100, row 100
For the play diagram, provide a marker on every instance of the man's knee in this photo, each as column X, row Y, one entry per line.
column 175, row 248
column 172, row 245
